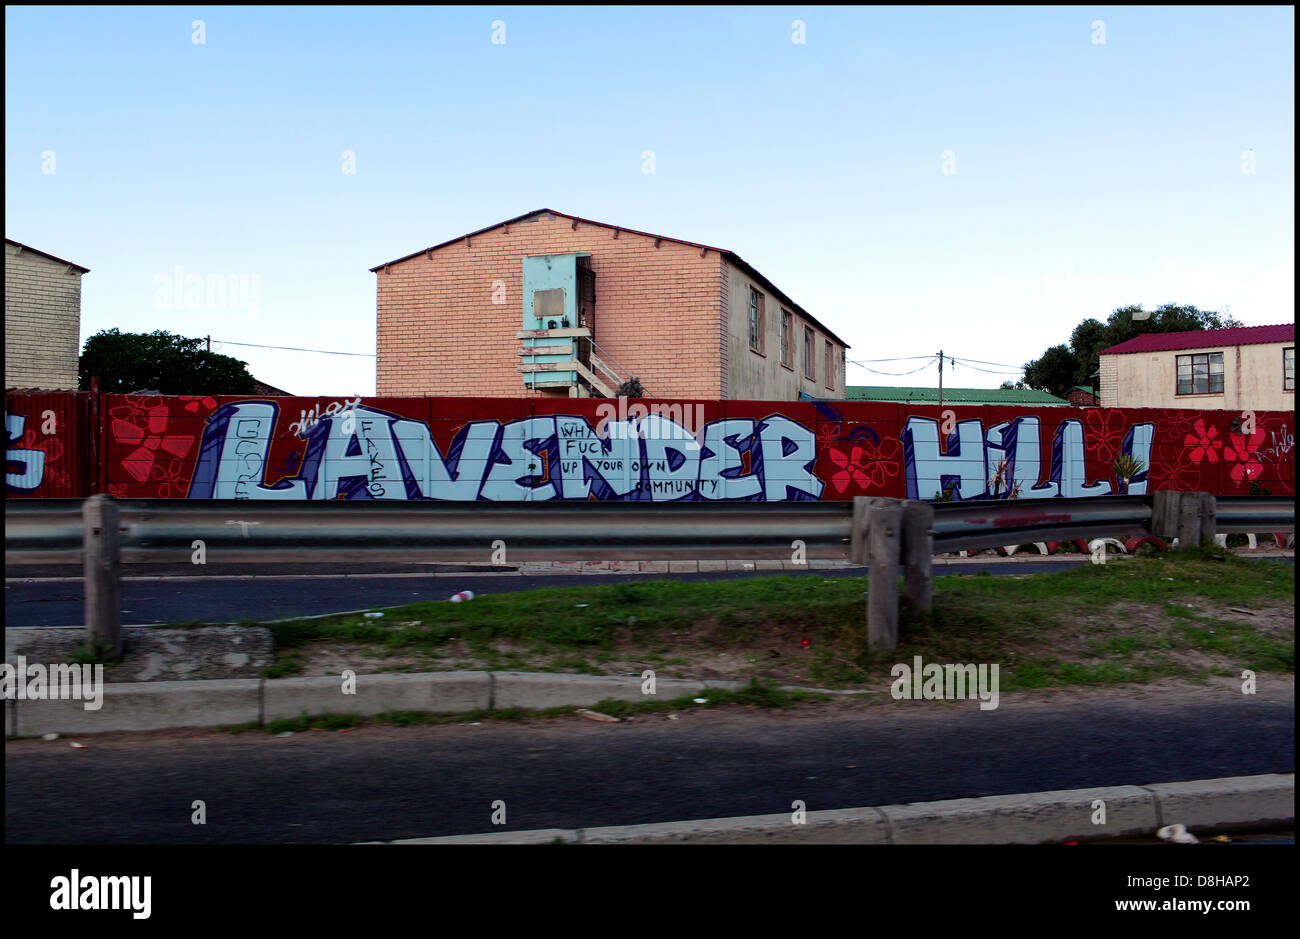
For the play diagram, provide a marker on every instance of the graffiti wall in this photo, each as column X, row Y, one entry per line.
column 506, row 449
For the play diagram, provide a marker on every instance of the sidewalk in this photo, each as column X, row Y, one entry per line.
column 1206, row 805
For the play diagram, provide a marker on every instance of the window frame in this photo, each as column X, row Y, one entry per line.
column 830, row 364
column 787, row 339
column 756, row 329
column 1285, row 386
column 1208, row 361
column 809, row 355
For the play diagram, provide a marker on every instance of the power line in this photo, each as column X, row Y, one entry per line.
column 255, row 345
column 963, row 363
column 896, row 374
column 1004, row 364
column 901, row 359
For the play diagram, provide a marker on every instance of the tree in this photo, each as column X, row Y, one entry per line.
column 631, row 389
column 1080, row 358
column 1053, row 371
column 160, row 361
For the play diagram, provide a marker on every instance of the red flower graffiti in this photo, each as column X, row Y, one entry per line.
column 1180, row 476
column 51, row 446
column 828, row 434
column 865, row 465
column 193, row 404
column 1201, row 443
column 851, row 472
column 147, row 439
column 172, row 481
column 1241, row 452
column 1104, row 430
column 1178, row 422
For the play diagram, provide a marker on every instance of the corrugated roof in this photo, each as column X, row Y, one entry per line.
column 953, row 395
column 46, row 254
column 729, row 255
column 1204, row 339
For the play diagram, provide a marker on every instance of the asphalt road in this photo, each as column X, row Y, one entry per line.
column 377, row 783
column 181, row 598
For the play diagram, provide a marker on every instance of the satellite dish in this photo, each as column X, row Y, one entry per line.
column 1142, row 315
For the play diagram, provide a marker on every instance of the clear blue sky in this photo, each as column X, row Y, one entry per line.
column 1088, row 175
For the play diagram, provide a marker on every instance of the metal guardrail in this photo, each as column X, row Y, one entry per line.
column 164, row 530
column 969, row 526
column 883, row 533
column 1245, row 514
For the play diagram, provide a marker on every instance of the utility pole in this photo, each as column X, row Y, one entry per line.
column 209, row 339
column 941, row 378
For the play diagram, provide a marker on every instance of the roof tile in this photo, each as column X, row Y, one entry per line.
column 1204, row 339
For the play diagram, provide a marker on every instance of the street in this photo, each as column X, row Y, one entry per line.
column 388, row 783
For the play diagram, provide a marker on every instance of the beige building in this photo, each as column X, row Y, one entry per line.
column 42, row 319
column 1250, row 367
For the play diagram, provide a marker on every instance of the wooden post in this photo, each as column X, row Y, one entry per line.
column 858, row 530
column 1196, row 511
column 883, row 543
column 1208, row 514
column 918, row 554
column 102, row 558
column 1164, row 513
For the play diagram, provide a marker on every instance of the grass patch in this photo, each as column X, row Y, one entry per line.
column 94, row 652
column 1095, row 624
column 287, row 662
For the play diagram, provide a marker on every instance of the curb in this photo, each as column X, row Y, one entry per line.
column 171, row 705
column 1027, row 818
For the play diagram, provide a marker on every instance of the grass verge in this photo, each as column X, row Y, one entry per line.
column 1174, row 614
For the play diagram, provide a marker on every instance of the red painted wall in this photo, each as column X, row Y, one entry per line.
column 61, row 445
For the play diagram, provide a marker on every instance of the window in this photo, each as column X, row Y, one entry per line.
column 1288, row 369
column 755, row 320
column 809, row 370
column 787, row 334
column 1200, row 374
column 830, row 371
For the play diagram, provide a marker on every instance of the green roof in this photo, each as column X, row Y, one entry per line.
column 1087, row 388
column 953, row 395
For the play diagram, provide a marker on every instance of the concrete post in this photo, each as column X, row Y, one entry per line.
column 918, row 554
column 102, row 558
column 883, row 547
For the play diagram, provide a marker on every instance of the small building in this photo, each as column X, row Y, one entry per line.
column 1248, row 367
column 966, row 396
column 262, row 389
column 1081, row 396
column 42, row 318
column 549, row 304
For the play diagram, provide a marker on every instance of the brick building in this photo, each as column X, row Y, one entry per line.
column 553, row 304
column 1081, row 396
column 42, row 319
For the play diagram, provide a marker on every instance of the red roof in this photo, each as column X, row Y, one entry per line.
column 1204, row 339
